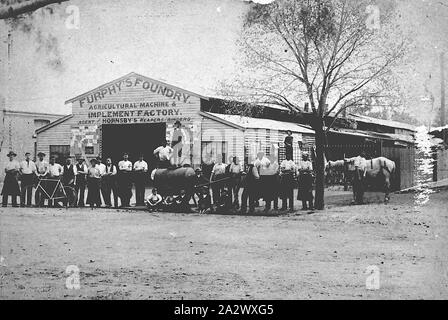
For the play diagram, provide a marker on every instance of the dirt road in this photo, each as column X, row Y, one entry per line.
column 324, row 255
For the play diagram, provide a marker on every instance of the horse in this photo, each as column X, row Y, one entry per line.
column 172, row 180
column 375, row 168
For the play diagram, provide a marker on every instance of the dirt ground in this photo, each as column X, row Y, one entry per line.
column 140, row 255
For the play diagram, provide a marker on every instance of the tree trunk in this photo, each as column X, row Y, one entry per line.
column 320, row 164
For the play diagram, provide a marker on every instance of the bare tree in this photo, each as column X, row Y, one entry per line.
column 13, row 8
column 326, row 52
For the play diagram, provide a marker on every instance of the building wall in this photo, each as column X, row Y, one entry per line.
column 17, row 133
column 57, row 135
column 272, row 142
column 404, row 158
column 442, row 164
column 216, row 132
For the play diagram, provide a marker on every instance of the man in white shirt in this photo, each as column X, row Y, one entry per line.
column 55, row 170
column 42, row 167
column 124, row 180
column 102, row 169
column 28, row 170
column 218, row 173
column 263, row 166
column 109, row 184
column 306, row 180
column 287, row 171
column 11, row 185
column 163, row 154
column 272, row 183
column 360, row 164
column 55, row 173
column 140, row 175
column 80, row 181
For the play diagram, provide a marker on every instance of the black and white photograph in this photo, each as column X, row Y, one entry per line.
column 233, row 150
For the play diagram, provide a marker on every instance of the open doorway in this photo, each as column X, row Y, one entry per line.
column 134, row 139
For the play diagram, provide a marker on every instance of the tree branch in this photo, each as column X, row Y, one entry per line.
column 12, row 11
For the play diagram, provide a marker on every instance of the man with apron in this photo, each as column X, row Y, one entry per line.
column 11, row 183
column 109, row 184
column 140, row 175
column 124, row 180
column 287, row 171
column 306, row 180
column 28, row 173
column 80, row 181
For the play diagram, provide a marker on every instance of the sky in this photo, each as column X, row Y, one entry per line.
column 188, row 43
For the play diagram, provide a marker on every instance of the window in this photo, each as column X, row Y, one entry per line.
column 60, row 152
column 213, row 149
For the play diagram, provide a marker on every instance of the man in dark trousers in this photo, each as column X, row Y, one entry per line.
column 80, row 182
column 42, row 172
column 287, row 171
column 140, row 176
column 163, row 154
column 288, row 145
column 249, row 182
column 124, row 180
column 68, row 178
column 109, row 184
column 68, row 173
column 28, row 174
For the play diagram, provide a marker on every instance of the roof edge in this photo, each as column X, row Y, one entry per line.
column 54, row 123
column 134, row 74
column 213, row 117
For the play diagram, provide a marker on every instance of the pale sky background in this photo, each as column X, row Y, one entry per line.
column 188, row 43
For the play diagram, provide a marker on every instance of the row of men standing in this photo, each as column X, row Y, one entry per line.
column 265, row 179
column 108, row 180
column 99, row 178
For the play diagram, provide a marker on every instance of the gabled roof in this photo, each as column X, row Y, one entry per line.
column 135, row 75
column 242, row 122
column 54, row 123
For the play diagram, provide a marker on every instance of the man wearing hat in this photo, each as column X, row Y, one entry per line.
column 124, row 180
column 177, row 141
column 200, row 183
column 80, row 181
column 42, row 171
column 11, row 183
column 28, row 172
